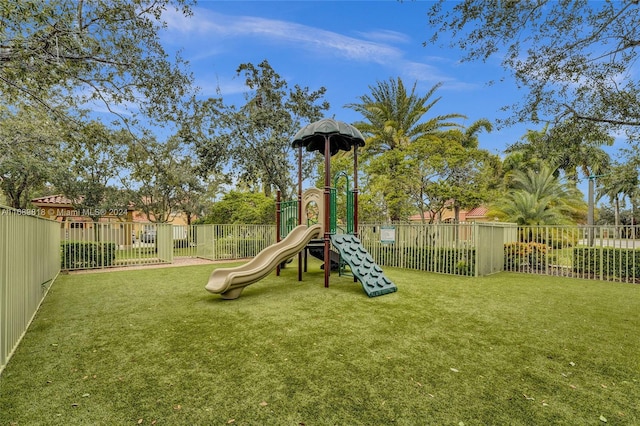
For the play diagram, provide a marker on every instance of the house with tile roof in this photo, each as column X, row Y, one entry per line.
column 124, row 226
column 476, row 214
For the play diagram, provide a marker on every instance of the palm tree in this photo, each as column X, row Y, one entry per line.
column 620, row 181
column 394, row 118
column 573, row 148
column 540, row 198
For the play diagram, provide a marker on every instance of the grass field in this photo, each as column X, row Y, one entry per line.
column 153, row 347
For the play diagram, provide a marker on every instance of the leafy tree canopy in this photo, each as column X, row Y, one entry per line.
column 577, row 58
column 243, row 208
column 572, row 147
column 29, row 148
column 163, row 180
column 258, row 134
column 70, row 54
column 90, row 166
column 395, row 119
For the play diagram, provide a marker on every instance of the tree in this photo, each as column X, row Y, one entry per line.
column 69, row 54
column 571, row 147
column 89, row 170
column 467, row 175
column 540, row 198
column 446, row 170
column 259, row 133
column 244, row 208
column 164, row 181
column 576, row 58
column 211, row 143
column 29, row 147
column 618, row 183
column 394, row 119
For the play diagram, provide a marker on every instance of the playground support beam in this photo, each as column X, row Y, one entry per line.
column 278, row 213
column 300, row 206
column 355, row 195
column 355, row 190
column 327, row 209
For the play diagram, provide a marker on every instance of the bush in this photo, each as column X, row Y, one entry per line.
column 87, row 254
column 608, row 261
column 553, row 237
column 518, row 255
column 239, row 248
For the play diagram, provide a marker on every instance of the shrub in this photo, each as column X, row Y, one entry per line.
column 519, row 254
column 239, row 248
column 607, row 261
column 87, row 254
column 554, row 237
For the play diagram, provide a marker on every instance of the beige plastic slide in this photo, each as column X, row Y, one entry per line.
column 229, row 282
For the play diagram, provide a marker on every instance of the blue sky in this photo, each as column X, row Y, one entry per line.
column 343, row 46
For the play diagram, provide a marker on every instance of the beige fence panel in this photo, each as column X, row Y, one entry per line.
column 29, row 262
column 99, row 245
column 185, row 241
column 164, row 242
column 490, row 241
column 443, row 248
column 230, row 242
column 205, row 242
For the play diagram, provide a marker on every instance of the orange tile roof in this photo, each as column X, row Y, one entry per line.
column 52, row 199
column 60, row 200
column 479, row 211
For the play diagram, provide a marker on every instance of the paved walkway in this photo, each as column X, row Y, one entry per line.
column 178, row 261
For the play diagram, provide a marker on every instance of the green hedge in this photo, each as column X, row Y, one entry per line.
column 442, row 260
column 519, row 254
column 610, row 262
column 87, row 254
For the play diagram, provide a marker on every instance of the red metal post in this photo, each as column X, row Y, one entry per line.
column 327, row 209
column 355, row 195
column 300, row 206
column 355, row 190
column 278, row 219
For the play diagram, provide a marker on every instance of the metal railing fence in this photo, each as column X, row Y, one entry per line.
column 100, row 245
column 605, row 253
column 227, row 242
column 29, row 262
column 468, row 249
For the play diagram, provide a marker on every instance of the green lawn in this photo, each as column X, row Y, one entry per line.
column 153, row 347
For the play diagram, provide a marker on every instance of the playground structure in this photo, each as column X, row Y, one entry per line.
column 293, row 236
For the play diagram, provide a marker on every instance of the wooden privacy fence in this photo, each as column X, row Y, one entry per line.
column 29, row 262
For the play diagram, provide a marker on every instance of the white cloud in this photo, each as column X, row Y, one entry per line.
column 222, row 86
column 208, row 34
column 385, row 36
column 209, row 28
